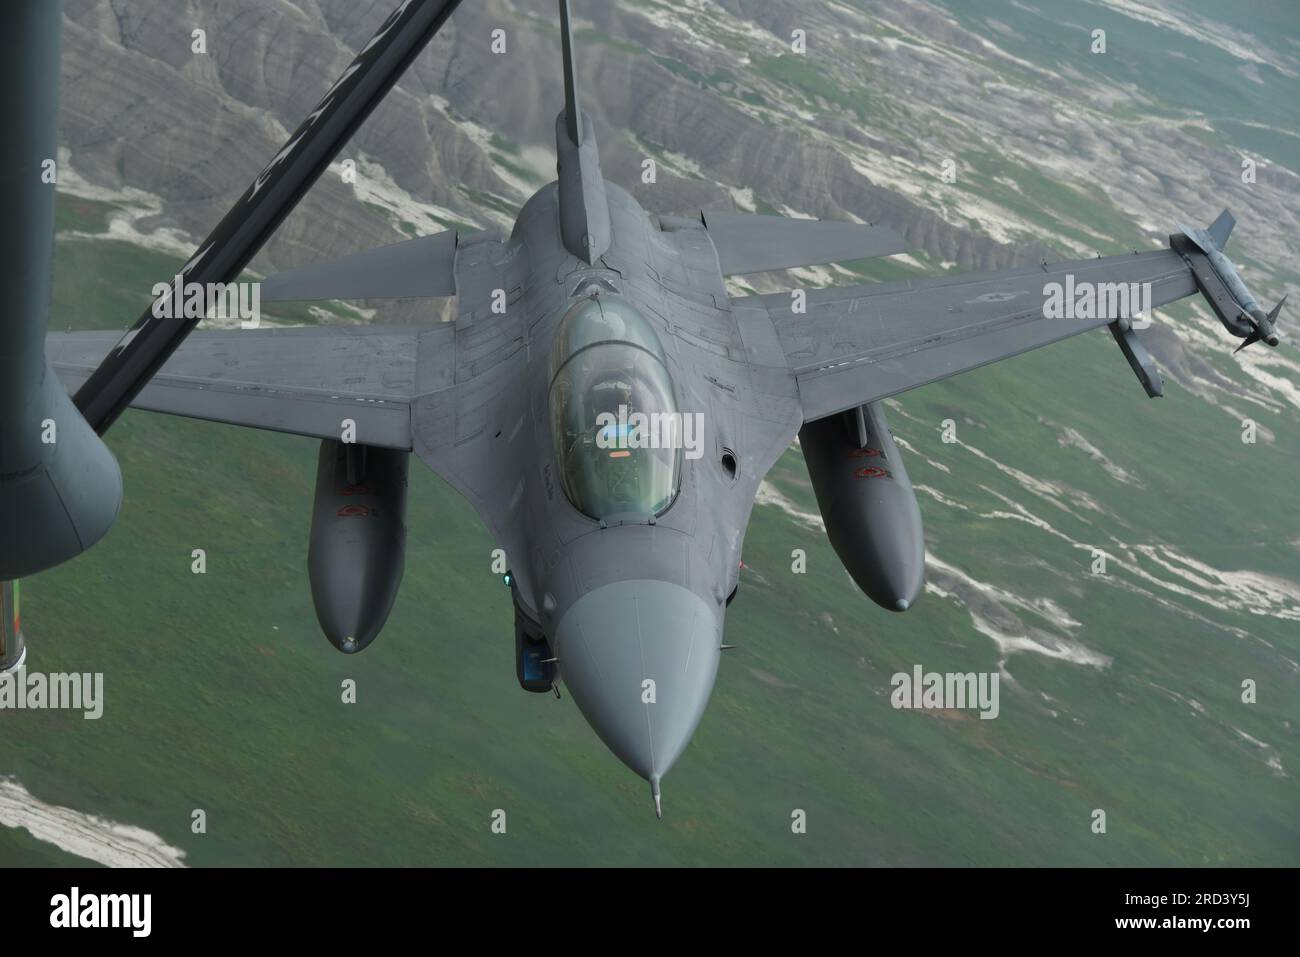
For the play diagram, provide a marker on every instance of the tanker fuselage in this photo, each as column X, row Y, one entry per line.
column 60, row 487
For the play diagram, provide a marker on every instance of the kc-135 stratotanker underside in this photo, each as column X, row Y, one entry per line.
column 580, row 341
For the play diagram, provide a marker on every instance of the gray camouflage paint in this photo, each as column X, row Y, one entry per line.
column 640, row 599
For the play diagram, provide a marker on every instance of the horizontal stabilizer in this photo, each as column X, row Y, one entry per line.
column 749, row 243
column 415, row 269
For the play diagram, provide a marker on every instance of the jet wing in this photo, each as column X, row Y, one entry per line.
column 305, row 380
column 858, row 344
column 273, row 194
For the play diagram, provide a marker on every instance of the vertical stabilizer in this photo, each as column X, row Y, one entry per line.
column 584, row 210
column 572, row 112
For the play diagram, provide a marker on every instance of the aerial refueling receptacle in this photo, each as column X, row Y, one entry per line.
column 358, row 540
column 867, row 502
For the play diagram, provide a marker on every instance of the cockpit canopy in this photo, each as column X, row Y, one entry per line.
column 609, row 380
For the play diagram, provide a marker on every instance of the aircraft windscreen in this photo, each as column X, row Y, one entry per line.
column 609, row 383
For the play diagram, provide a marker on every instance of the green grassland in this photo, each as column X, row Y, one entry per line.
column 222, row 695
column 19, row 849
column 1180, row 73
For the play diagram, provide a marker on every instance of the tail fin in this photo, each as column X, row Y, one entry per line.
column 584, row 210
column 572, row 112
column 1221, row 228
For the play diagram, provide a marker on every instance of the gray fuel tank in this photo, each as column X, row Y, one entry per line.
column 866, row 499
column 358, row 540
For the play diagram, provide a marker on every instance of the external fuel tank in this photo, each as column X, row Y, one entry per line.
column 358, row 540
column 867, row 502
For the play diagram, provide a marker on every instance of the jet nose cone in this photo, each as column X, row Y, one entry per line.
column 639, row 658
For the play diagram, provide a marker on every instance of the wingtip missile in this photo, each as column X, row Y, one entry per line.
column 654, row 793
column 1220, row 282
column 1271, row 338
column 1263, row 327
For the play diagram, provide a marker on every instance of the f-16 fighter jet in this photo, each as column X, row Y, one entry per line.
column 605, row 404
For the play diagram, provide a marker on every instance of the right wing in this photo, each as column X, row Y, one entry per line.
column 304, row 380
column 142, row 352
column 859, row 344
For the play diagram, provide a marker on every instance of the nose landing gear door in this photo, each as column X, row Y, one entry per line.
column 534, row 661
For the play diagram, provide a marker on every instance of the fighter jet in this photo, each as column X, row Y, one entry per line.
column 601, row 399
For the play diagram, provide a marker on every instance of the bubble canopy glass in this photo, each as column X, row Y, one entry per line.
column 606, row 365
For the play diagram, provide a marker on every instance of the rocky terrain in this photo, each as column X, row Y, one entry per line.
column 1121, row 691
column 1061, row 156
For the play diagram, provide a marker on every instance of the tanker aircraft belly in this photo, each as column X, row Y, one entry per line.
column 610, row 410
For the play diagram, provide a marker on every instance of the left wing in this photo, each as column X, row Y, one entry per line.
column 858, row 344
column 305, row 380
